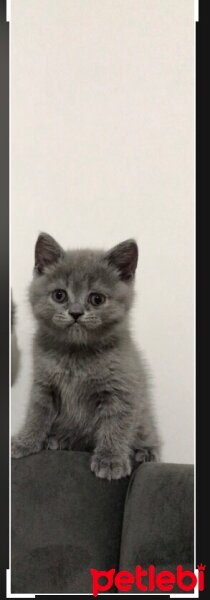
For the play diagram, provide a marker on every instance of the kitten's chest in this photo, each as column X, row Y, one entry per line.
column 75, row 380
column 76, row 388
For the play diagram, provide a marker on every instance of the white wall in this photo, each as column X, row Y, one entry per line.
column 102, row 148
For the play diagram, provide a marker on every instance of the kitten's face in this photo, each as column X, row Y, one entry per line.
column 82, row 296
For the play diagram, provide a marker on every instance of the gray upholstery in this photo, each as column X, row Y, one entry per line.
column 65, row 521
column 158, row 526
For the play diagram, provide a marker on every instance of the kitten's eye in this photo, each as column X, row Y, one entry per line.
column 96, row 299
column 59, row 296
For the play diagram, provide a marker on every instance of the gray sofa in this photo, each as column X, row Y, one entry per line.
column 65, row 521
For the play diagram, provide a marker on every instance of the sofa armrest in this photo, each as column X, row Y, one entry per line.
column 64, row 522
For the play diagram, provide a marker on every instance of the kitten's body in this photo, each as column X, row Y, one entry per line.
column 90, row 387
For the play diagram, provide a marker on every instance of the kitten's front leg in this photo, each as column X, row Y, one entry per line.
column 41, row 414
column 112, row 457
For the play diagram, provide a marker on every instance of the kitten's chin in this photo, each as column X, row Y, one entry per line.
column 76, row 332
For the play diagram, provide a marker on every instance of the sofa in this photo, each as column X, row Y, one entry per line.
column 65, row 522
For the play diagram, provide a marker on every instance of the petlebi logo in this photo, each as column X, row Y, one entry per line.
column 148, row 580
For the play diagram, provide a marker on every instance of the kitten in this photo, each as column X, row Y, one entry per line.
column 90, row 388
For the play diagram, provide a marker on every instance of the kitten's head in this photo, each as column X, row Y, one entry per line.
column 82, row 296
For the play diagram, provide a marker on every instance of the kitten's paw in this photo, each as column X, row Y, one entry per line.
column 147, row 455
column 21, row 447
column 109, row 468
column 65, row 444
column 52, row 443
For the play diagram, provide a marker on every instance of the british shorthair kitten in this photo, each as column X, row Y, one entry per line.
column 90, row 388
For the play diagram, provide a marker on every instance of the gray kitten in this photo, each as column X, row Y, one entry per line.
column 90, row 388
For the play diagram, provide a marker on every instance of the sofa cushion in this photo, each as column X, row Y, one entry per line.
column 64, row 522
column 158, row 524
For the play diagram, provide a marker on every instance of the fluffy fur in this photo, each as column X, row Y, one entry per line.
column 90, row 388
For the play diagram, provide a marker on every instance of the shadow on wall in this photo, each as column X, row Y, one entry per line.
column 15, row 351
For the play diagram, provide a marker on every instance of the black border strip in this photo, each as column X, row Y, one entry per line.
column 4, row 296
column 202, row 295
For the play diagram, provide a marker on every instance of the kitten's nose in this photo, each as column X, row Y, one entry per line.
column 75, row 315
column 76, row 311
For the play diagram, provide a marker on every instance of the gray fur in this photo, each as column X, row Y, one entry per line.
column 90, row 388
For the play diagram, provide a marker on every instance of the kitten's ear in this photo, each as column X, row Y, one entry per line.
column 124, row 258
column 47, row 251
